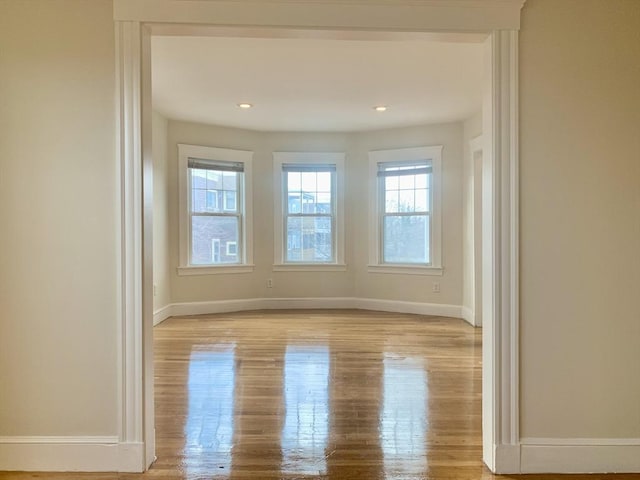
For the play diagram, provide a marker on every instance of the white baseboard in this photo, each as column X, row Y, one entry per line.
column 436, row 309
column 161, row 314
column 70, row 454
column 468, row 315
column 226, row 306
column 571, row 455
column 507, row 459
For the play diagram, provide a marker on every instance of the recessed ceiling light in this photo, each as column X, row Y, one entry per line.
column 245, row 105
column 380, row 108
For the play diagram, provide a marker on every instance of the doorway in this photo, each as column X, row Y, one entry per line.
column 134, row 28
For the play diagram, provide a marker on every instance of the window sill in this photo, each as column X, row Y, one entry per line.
column 214, row 269
column 309, row 267
column 406, row 270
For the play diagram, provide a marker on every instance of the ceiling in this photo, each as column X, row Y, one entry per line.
column 315, row 84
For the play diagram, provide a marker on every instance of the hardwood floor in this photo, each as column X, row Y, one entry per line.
column 316, row 395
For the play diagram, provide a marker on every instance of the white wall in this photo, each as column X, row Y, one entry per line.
column 58, row 204
column 470, row 211
column 356, row 281
column 161, row 271
column 580, row 219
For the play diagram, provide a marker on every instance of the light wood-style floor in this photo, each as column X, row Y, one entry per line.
column 316, row 395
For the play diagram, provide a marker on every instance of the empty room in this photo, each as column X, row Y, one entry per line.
column 311, row 182
column 319, row 239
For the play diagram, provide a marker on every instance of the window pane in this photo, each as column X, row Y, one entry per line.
column 406, row 239
column 407, row 203
column 323, row 202
column 211, row 201
column 294, row 203
column 391, row 201
column 230, row 201
column 204, row 191
column 391, row 183
column 308, row 202
column 422, row 200
column 198, row 200
column 309, row 239
column 209, row 237
column 214, row 179
column 407, row 181
column 324, row 181
column 293, row 181
column 229, row 180
column 421, row 181
column 308, row 181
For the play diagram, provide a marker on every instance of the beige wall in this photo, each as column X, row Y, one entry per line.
column 58, row 207
column 161, row 270
column 413, row 288
column 580, row 227
column 356, row 281
column 580, row 218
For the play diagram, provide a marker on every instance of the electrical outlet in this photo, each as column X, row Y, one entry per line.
column 436, row 287
column 269, row 282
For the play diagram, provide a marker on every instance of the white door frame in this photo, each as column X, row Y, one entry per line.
column 475, row 166
column 135, row 21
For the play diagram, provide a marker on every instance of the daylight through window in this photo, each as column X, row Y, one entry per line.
column 405, row 217
column 309, row 212
column 215, row 213
column 213, row 216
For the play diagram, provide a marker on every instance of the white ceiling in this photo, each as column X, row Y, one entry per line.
column 315, row 84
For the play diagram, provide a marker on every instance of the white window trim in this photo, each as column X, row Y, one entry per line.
column 434, row 155
column 332, row 158
column 228, row 155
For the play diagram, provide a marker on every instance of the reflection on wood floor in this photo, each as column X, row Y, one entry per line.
column 315, row 395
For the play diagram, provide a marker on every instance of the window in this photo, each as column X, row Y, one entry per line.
column 232, row 249
column 215, row 210
column 309, row 233
column 405, row 211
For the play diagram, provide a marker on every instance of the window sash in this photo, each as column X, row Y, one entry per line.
column 302, row 260
column 213, row 165
column 303, row 168
column 384, row 172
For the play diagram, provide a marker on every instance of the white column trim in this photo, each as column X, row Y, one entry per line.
column 129, row 167
column 502, row 361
